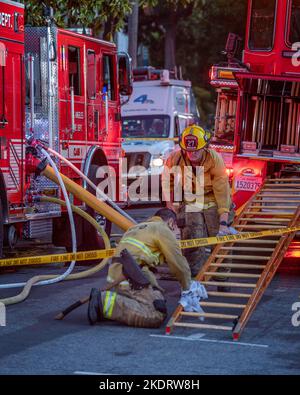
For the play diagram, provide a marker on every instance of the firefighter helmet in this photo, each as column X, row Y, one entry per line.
column 194, row 138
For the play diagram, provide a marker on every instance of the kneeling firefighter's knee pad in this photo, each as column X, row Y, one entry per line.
column 160, row 305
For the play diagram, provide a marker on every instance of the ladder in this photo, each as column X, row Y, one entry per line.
column 247, row 266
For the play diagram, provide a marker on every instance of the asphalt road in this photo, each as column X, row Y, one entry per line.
column 32, row 342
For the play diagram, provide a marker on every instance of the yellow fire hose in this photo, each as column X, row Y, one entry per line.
column 26, row 290
column 91, row 200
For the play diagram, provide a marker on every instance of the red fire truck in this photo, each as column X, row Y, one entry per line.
column 257, row 121
column 257, row 124
column 62, row 88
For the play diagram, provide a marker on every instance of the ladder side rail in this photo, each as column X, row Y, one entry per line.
column 266, row 276
column 200, row 276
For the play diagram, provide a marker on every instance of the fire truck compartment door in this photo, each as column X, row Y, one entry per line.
column 72, row 107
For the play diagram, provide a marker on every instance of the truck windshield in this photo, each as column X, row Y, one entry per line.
column 262, row 24
column 294, row 35
column 157, row 126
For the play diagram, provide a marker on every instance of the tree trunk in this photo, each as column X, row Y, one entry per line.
column 109, row 29
column 170, row 43
column 133, row 21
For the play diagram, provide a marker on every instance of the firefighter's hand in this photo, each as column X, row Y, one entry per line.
column 227, row 230
column 224, row 230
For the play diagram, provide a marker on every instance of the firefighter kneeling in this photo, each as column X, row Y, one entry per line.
column 138, row 300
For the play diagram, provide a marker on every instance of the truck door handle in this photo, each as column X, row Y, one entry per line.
column 3, row 122
column 32, row 93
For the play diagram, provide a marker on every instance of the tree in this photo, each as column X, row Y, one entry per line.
column 133, row 19
column 162, row 21
column 104, row 16
column 200, row 37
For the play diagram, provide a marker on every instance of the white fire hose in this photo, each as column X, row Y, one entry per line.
column 73, row 233
column 96, row 189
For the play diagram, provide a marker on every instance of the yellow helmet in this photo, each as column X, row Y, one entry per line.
column 194, row 138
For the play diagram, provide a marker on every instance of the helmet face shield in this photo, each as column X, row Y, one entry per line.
column 194, row 138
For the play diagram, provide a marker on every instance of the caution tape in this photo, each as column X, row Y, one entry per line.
column 101, row 254
column 232, row 238
column 58, row 258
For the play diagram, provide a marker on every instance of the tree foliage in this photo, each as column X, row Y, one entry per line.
column 104, row 16
column 162, row 21
column 188, row 33
column 200, row 37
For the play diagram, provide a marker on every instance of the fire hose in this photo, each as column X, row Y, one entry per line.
column 76, row 276
column 100, row 207
column 54, row 279
column 88, row 198
column 96, row 189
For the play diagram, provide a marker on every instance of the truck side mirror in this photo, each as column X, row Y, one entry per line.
column 125, row 74
column 177, row 127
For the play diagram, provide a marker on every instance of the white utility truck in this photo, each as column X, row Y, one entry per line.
column 157, row 112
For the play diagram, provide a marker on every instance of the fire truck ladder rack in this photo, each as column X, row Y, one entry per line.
column 247, row 266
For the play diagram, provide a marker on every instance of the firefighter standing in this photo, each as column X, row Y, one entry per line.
column 140, row 302
column 209, row 213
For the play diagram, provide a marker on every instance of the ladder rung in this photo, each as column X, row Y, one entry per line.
column 203, row 326
column 284, row 185
column 260, row 249
column 256, row 241
column 227, row 305
column 259, row 227
column 265, row 220
column 285, row 195
column 233, row 275
column 228, row 294
column 268, row 213
column 279, row 189
column 247, row 257
column 283, row 179
column 271, row 207
column 238, row 266
column 210, row 315
column 274, row 201
column 227, row 284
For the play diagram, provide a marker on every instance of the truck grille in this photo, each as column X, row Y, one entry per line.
column 38, row 229
column 138, row 159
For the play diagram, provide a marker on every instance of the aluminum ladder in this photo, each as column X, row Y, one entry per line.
column 252, row 263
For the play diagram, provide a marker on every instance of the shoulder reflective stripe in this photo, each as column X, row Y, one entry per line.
column 139, row 244
column 109, row 303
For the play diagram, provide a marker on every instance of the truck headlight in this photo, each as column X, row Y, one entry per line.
column 157, row 162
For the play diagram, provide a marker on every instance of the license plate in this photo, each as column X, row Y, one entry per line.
column 247, row 183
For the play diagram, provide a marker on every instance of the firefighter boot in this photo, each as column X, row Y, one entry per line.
column 95, row 307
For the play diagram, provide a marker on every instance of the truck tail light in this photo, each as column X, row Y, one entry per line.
column 229, row 172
